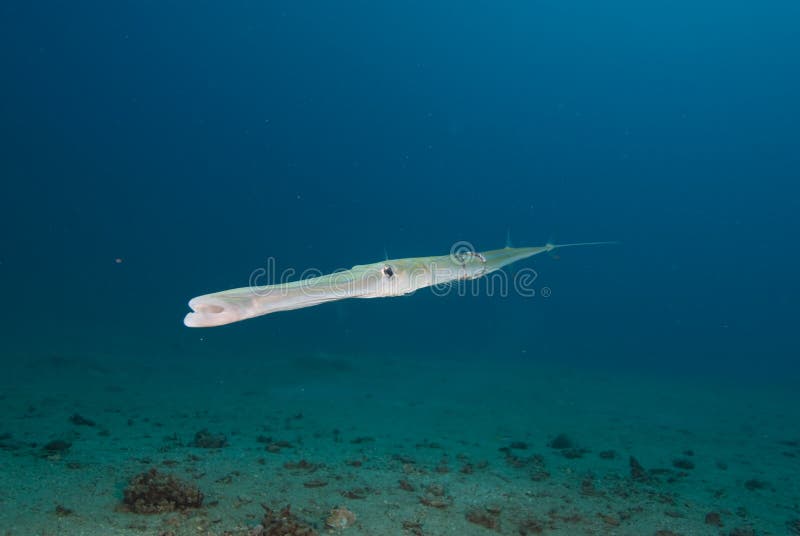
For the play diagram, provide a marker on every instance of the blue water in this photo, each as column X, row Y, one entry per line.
column 193, row 141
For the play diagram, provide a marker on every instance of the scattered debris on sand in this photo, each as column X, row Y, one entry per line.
column 282, row 523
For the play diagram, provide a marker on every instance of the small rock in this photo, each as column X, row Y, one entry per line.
column 573, row 453
column 754, row 484
column 340, row 518
column 637, row 471
column 406, row 485
column 206, row 440
column 530, row 526
column 609, row 519
column 303, row 464
column 62, row 511
column 436, row 502
column 57, row 446
column 355, row 493
column 561, row 441
column 480, row 516
column 437, row 490
column 283, row 523
column 79, row 420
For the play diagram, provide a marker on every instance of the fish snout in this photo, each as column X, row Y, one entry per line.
column 208, row 311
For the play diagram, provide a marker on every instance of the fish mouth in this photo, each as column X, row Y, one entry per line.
column 208, row 311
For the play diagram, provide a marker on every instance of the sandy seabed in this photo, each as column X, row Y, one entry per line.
column 407, row 446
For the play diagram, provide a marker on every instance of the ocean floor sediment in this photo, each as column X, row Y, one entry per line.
column 377, row 445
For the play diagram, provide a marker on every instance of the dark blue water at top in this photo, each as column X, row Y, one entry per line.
column 195, row 140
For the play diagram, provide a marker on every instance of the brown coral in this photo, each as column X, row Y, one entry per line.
column 153, row 493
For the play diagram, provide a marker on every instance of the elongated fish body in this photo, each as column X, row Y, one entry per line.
column 389, row 278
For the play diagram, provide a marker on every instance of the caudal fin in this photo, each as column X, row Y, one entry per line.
column 551, row 247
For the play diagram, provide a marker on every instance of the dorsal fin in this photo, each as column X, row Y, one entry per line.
column 509, row 244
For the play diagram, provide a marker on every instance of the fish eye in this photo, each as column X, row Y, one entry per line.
column 387, row 270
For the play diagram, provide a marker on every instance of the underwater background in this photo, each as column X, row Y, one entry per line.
column 155, row 151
